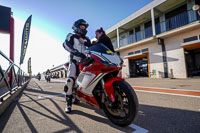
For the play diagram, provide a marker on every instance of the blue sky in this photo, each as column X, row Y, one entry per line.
column 55, row 17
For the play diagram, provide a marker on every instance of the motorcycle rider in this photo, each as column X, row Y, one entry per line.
column 75, row 44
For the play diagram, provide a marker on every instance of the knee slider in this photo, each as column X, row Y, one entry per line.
column 69, row 85
column 65, row 88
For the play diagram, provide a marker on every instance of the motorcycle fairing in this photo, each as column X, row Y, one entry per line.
column 90, row 75
column 110, row 58
column 88, row 99
column 104, row 53
column 87, row 81
column 108, row 85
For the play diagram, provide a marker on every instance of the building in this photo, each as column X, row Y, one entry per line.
column 160, row 40
column 58, row 71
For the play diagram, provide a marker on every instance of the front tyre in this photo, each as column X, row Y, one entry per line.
column 125, row 108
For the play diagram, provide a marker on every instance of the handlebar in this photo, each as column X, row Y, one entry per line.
column 77, row 53
column 88, row 60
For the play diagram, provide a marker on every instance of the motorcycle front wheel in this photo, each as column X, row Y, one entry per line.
column 125, row 108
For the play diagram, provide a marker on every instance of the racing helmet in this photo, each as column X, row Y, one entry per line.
column 77, row 29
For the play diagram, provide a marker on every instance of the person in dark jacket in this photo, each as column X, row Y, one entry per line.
column 103, row 38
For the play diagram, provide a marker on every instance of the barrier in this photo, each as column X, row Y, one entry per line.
column 12, row 81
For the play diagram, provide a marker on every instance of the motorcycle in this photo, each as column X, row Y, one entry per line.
column 48, row 78
column 98, row 84
column 39, row 77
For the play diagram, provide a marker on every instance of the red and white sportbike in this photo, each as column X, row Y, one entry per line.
column 98, row 84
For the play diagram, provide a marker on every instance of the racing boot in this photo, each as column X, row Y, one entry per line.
column 69, row 103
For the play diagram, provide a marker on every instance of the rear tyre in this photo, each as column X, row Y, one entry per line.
column 125, row 108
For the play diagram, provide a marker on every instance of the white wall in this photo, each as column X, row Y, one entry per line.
column 174, row 51
column 175, row 56
column 125, row 69
column 156, row 59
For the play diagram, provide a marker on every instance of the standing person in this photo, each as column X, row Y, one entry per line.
column 75, row 44
column 103, row 38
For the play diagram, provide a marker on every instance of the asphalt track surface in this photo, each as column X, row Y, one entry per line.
column 40, row 108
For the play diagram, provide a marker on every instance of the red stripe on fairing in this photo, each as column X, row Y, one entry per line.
column 88, row 99
column 96, row 67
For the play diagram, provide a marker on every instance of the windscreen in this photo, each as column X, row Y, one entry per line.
column 101, row 48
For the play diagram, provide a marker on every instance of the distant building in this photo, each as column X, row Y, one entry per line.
column 160, row 40
column 59, row 71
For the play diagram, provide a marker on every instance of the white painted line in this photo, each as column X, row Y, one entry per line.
column 40, row 97
column 138, row 129
column 166, row 88
column 169, row 93
column 141, row 113
column 57, row 80
column 58, row 95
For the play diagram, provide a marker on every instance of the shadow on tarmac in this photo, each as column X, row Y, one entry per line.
column 7, row 113
column 99, row 119
column 43, row 92
column 152, row 118
column 63, row 120
column 168, row 120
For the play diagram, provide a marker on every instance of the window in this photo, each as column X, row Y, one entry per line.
column 193, row 38
column 123, row 40
column 130, row 53
column 114, row 42
column 148, row 29
column 137, row 52
column 131, row 38
column 145, row 50
column 157, row 26
column 176, row 18
column 138, row 33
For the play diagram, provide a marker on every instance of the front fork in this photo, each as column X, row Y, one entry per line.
column 108, row 87
column 105, row 96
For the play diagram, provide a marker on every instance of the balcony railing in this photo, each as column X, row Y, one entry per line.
column 139, row 35
column 171, row 23
column 148, row 32
column 10, row 78
column 177, row 21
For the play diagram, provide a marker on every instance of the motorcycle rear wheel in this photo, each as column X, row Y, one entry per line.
column 125, row 108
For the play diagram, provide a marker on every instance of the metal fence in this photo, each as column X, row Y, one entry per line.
column 11, row 78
